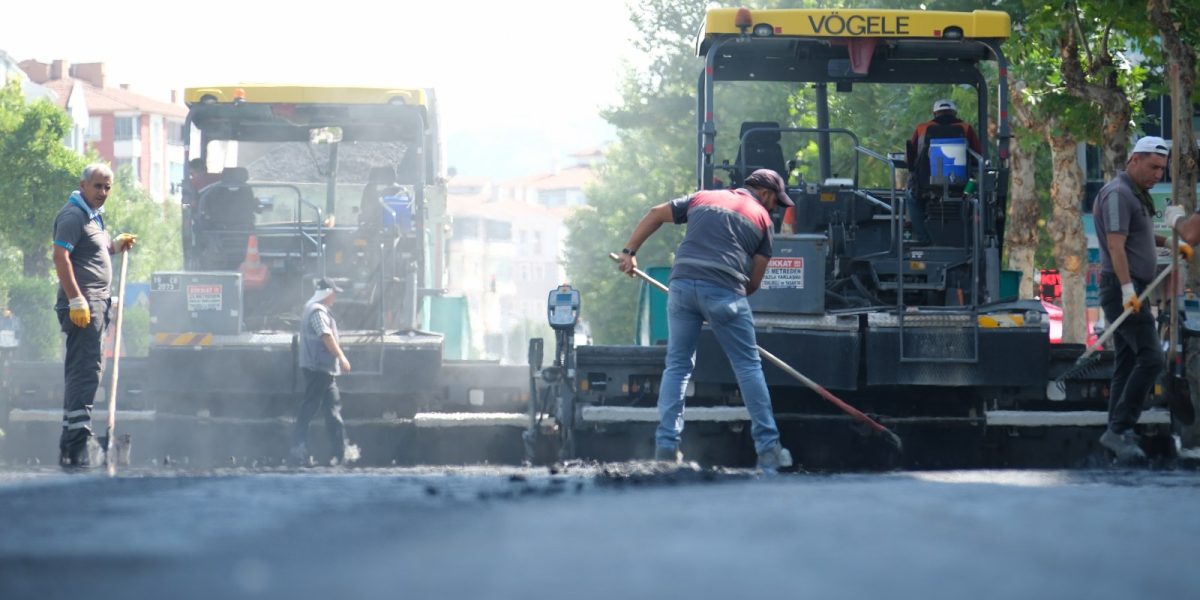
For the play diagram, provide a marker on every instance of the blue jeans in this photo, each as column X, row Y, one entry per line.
column 916, row 214
column 690, row 304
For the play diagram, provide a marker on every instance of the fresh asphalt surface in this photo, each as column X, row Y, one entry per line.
column 598, row 531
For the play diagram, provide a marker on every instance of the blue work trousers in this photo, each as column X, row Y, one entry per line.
column 82, row 368
column 691, row 303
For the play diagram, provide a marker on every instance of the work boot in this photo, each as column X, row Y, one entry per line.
column 1124, row 445
column 668, row 455
column 298, row 455
column 75, row 458
column 774, row 458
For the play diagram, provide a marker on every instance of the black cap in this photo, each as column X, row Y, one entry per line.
column 326, row 283
column 768, row 179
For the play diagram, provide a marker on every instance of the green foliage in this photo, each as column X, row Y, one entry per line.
column 129, row 209
column 32, row 301
column 37, row 173
column 652, row 161
column 135, row 330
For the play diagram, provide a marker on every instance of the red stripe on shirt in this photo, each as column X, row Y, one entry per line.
column 738, row 201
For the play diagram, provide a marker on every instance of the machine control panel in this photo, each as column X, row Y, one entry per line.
column 562, row 307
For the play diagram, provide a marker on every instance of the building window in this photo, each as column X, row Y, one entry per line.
column 499, row 231
column 134, row 165
column 174, row 133
column 93, row 130
column 466, row 228
column 126, row 128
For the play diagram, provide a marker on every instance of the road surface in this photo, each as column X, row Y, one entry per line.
column 604, row 532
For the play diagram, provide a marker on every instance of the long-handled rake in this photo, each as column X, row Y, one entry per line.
column 1087, row 361
column 888, row 434
column 116, row 450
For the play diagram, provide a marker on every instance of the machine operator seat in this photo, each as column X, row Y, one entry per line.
column 227, row 212
column 381, row 181
column 229, row 204
column 923, row 180
column 760, row 150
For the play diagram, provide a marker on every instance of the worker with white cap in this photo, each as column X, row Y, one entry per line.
column 1124, row 220
column 945, row 123
column 321, row 361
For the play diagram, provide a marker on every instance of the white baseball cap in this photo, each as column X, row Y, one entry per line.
column 944, row 104
column 1152, row 144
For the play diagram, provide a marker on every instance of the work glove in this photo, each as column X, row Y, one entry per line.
column 1129, row 298
column 1185, row 251
column 81, row 315
column 124, row 242
column 1172, row 214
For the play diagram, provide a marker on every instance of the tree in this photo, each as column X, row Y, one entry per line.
column 1177, row 24
column 37, row 173
column 652, row 161
column 1098, row 29
column 1022, row 227
column 130, row 209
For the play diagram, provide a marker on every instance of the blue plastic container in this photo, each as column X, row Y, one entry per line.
column 951, row 155
column 402, row 207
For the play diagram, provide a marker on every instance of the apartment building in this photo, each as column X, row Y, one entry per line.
column 125, row 128
column 506, row 250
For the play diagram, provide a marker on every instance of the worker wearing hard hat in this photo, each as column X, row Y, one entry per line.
column 945, row 123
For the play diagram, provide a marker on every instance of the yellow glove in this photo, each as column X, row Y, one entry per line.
column 1185, row 251
column 124, row 242
column 81, row 315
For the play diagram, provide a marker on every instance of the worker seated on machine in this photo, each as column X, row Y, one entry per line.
column 938, row 163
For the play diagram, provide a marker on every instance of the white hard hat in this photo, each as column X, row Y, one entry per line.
column 1153, row 144
column 944, row 104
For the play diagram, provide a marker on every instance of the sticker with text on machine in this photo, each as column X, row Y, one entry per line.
column 784, row 273
column 203, row 297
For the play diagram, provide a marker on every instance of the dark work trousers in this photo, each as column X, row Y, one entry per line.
column 1139, row 357
column 82, row 368
column 321, row 394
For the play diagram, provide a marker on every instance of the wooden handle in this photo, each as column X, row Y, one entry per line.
column 116, row 350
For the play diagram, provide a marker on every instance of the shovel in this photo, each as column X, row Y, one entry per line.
column 1175, row 386
column 116, row 449
column 888, row 434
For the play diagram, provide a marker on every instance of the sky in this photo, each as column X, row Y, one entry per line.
column 520, row 82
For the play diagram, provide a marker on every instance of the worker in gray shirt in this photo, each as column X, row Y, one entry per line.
column 321, row 361
column 1124, row 215
column 81, row 261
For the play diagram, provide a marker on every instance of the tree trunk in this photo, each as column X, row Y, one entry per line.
column 1021, row 231
column 1066, row 230
column 1181, row 78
